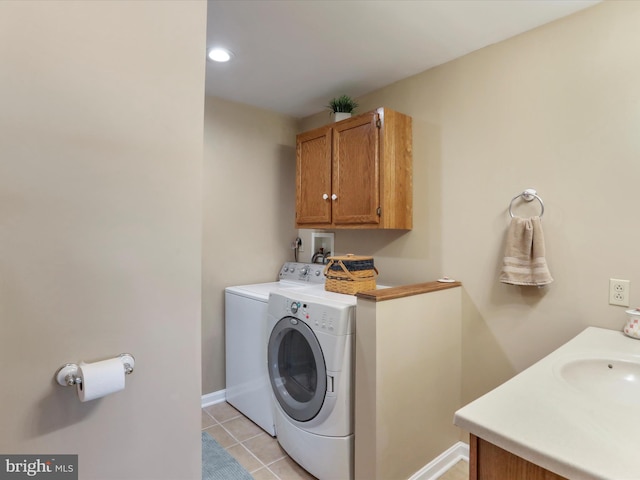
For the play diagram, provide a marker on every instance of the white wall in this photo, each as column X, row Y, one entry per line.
column 100, row 229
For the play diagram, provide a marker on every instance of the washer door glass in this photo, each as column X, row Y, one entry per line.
column 296, row 369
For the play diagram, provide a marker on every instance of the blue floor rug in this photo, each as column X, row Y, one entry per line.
column 217, row 464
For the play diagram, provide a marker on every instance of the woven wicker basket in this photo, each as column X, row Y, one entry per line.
column 350, row 274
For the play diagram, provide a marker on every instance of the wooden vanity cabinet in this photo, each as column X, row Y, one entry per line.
column 489, row 462
column 356, row 173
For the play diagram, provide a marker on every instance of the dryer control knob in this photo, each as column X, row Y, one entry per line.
column 294, row 307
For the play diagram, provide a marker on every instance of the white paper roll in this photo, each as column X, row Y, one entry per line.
column 100, row 379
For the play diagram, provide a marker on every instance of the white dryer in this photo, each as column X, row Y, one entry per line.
column 246, row 335
column 310, row 363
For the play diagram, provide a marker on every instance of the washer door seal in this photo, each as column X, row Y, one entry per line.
column 297, row 369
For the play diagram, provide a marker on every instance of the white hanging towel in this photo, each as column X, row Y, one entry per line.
column 524, row 260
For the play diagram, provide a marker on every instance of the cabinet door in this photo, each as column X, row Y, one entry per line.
column 490, row 462
column 356, row 171
column 313, row 171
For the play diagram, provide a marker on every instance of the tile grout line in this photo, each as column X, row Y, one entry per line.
column 272, row 472
column 262, row 464
column 218, row 423
column 238, row 442
column 211, row 417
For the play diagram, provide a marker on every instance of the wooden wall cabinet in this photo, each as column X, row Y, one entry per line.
column 356, row 173
column 489, row 462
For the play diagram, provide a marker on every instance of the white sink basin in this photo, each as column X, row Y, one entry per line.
column 615, row 380
column 573, row 412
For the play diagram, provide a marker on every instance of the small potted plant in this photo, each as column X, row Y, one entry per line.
column 342, row 107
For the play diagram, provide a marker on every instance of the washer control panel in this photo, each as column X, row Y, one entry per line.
column 307, row 273
column 335, row 318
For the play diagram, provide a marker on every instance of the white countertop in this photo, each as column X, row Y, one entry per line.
column 541, row 418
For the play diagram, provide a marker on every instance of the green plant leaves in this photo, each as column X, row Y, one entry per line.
column 343, row 103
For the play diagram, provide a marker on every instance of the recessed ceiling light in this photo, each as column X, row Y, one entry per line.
column 218, row 54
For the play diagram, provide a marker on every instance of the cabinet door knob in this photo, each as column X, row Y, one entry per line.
column 334, row 196
column 325, row 196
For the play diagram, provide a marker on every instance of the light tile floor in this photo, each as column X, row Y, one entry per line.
column 257, row 451
column 260, row 454
column 460, row 471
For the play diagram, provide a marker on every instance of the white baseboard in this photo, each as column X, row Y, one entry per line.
column 443, row 462
column 213, row 397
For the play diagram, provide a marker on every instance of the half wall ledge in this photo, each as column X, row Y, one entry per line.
column 391, row 293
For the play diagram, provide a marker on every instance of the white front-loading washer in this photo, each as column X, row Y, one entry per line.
column 246, row 334
column 310, row 363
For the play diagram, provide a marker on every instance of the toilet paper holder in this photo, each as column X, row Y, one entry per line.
column 67, row 375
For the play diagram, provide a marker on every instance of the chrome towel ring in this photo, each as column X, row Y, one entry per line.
column 528, row 195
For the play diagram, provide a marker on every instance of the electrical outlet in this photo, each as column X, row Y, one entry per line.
column 297, row 244
column 619, row 292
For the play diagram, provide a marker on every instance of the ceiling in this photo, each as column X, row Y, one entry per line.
column 293, row 56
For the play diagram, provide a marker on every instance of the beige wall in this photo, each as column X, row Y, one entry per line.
column 248, row 215
column 407, row 382
column 556, row 109
column 100, row 229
